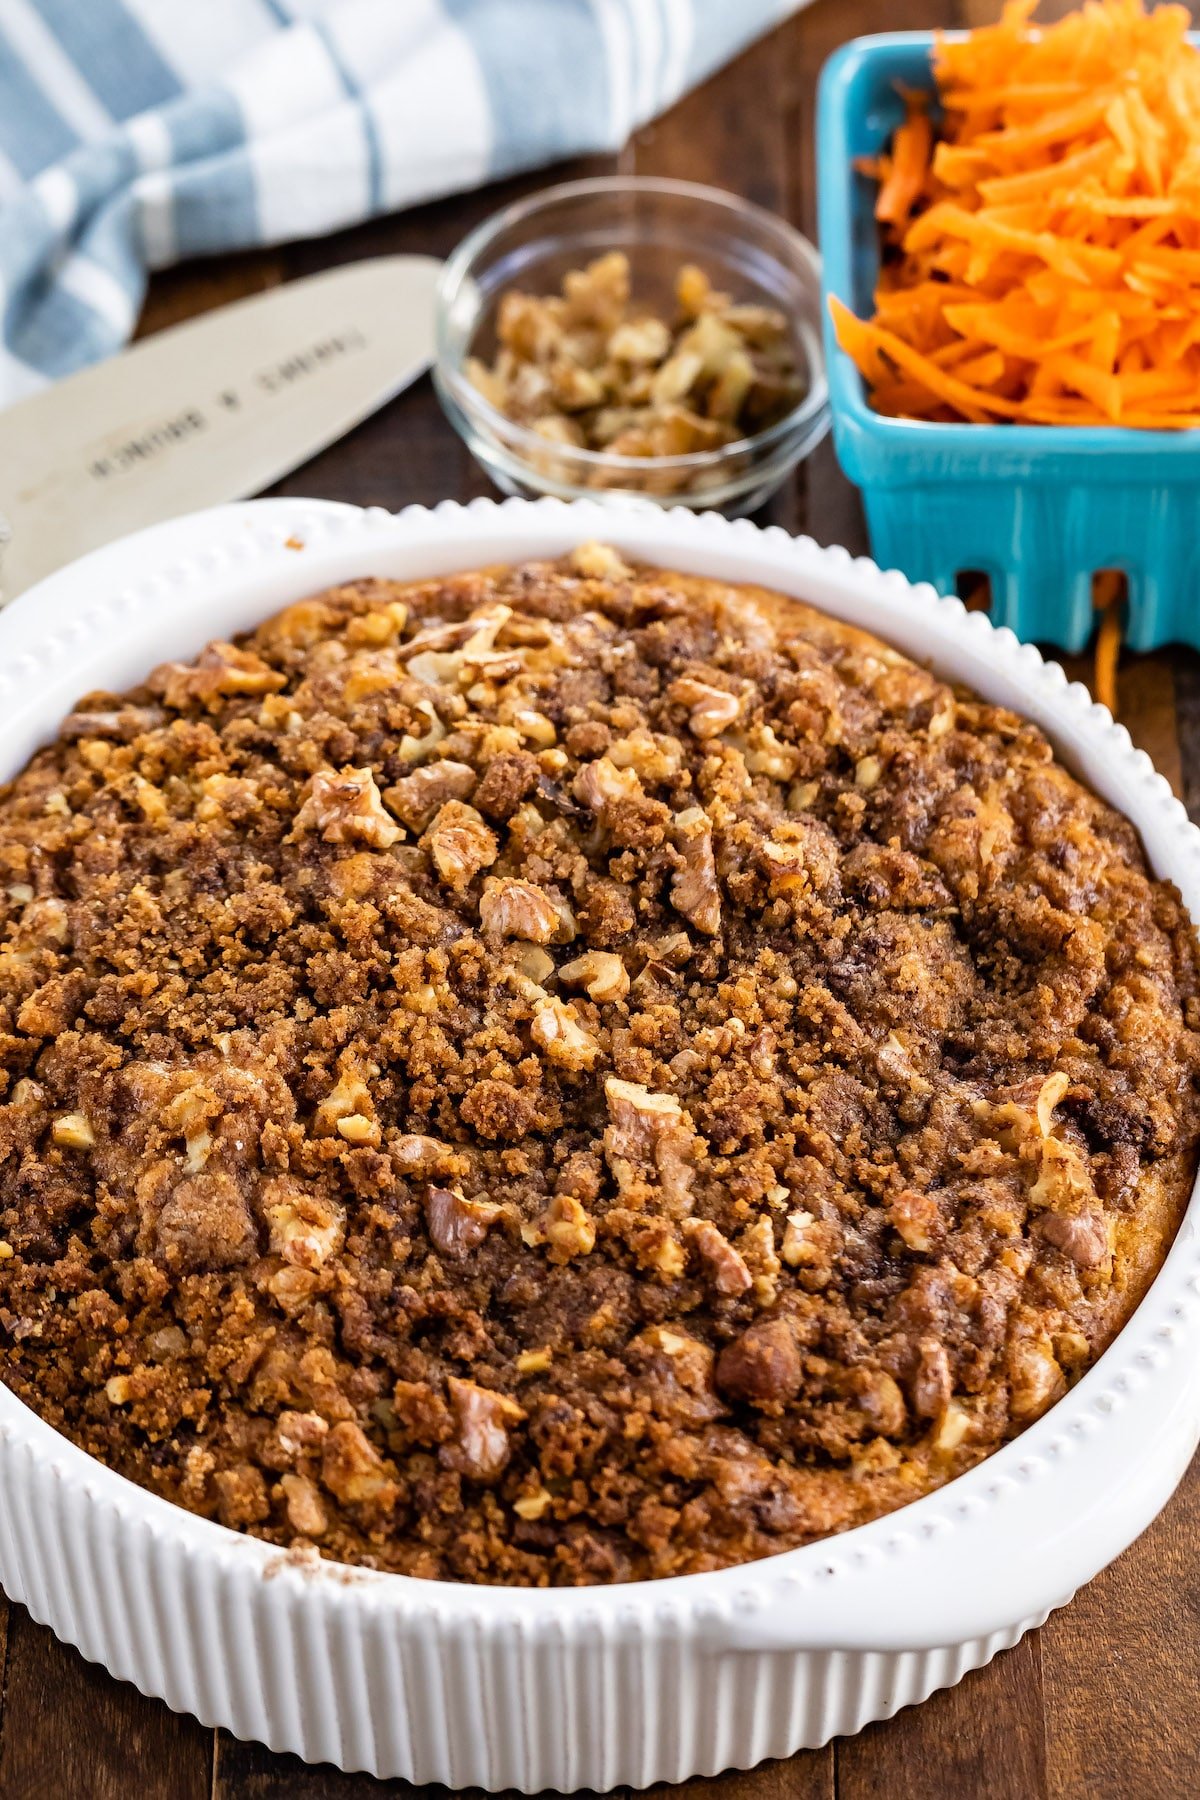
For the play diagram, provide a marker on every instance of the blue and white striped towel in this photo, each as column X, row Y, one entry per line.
column 134, row 133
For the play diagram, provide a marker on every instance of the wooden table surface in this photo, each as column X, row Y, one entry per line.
column 1103, row 1701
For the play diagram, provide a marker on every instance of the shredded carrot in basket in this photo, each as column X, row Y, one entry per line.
column 1042, row 246
column 902, row 183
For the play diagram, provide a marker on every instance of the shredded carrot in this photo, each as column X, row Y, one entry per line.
column 1108, row 599
column 904, row 177
column 1043, row 244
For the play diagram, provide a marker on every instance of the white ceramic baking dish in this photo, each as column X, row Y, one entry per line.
column 622, row 1685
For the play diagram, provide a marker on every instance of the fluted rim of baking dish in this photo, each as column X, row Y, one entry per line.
column 1014, row 1535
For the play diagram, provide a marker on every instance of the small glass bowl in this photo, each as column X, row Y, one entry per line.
column 659, row 225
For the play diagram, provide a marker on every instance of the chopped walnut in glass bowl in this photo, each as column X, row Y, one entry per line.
column 591, row 368
column 634, row 336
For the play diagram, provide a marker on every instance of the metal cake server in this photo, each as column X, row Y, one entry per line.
column 211, row 410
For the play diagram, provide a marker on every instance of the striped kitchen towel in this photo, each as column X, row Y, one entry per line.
column 134, row 133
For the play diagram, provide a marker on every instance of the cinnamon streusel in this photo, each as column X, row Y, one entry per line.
column 569, row 1074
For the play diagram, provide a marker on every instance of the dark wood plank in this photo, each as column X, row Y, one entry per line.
column 1120, row 1671
column 1146, row 692
column 1187, row 703
column 193, row 288
column 982, row 1738
column 731, row 132
column 1148, row 702
column 248, row 1772
column 809, row 1776
column 72, row 1733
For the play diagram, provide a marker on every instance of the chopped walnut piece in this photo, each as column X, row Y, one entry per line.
column 756, row 1246
column 566, row 1226
column 519, row 909
column 457, row 1225
column 694, row 890
column 652, row 755
column 536, row 964
column 671, row 1343
column 932, row 1383
column 345, row 807
column 1064, row 1182
column 471, row 637
column 693, row 290
column 349, row 1098
column 895, row 1062
column 711, row 710
column 1082, row 1237
column 305, row 1227
column 414, row 749
column 799, row 856
column 767, row 755
column 1049, row 1095
column 727, row 1267
column 481, row 1449
column 535, row 726
column 417, row 797
column 601, row 783
column 653, row 1242
column 292, row 1288
column 762, row 1364
column 953, row 1426
column 298, row 1433
column 220, row 671
column 418, row 1155
column 43, row 923
column 676, row 1370
column 801, row 1242
column 1035, row 1378
column 352, row 1468
column 557, row 1031
column 533, row 1506
column 915, row 1216
column 650, row 1138
column 151, row 800
column 358, row 1128
column 73, row 1131
column 879, row 1396
column 305, row 1508
column 598, row 295
column 600, row 973
column 640, row 341
column 600, row 561
column 380, row 627
column 460, row 844
column 122, row 723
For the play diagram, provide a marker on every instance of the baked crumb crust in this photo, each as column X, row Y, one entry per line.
column 569, row 1074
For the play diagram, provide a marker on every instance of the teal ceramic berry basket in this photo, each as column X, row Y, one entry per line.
column 1038, row 509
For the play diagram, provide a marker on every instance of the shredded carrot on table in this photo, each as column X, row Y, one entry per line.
column 1108, row 597
column 1042, row 246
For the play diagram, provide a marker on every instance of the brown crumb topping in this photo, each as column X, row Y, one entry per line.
column 570, row 1074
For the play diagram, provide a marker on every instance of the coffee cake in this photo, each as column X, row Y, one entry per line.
column 571, row 1073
